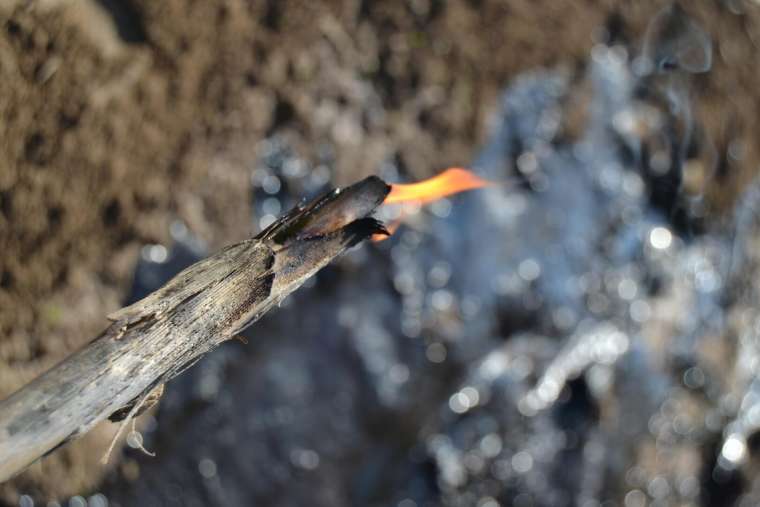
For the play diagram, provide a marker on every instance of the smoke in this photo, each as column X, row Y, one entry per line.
column 675, row 42
column 674, row 48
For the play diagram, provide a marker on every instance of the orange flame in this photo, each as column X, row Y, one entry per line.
column 449, row 182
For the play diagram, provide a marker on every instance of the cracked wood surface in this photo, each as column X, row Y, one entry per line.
column 156, row 338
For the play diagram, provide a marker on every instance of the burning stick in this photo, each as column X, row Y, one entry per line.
column 155, row 339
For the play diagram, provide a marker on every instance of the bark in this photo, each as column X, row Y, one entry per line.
column 155, row 339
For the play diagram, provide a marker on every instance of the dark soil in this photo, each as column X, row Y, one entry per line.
column 118, row 117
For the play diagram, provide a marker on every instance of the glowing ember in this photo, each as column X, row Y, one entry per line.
column 449, row 182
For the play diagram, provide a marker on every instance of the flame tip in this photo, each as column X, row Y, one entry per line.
column 450, row 181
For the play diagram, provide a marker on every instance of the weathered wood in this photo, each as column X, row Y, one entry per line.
column 156, row 338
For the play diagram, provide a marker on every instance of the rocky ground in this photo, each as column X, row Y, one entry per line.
column 119, row 118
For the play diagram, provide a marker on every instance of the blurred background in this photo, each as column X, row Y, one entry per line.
column 584, row 335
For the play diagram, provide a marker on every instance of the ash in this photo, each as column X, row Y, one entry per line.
column 577, row 336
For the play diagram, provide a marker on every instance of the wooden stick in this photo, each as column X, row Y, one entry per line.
column 158, row 337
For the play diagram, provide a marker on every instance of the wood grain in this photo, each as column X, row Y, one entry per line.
column 156, row 338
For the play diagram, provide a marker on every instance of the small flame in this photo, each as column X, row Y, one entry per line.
column 449, row 182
